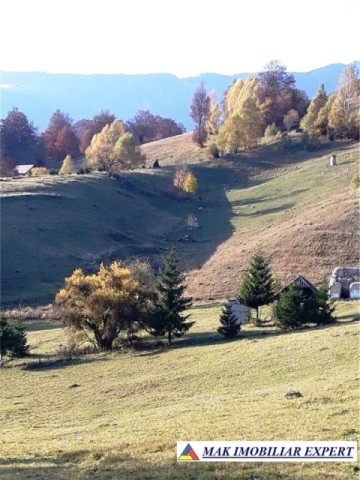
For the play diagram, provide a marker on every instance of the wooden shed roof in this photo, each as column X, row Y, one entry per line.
column 23, row 169
column 301, row 282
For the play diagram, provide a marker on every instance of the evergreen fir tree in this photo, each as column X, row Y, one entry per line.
column 257, row 286
column 229, row 325
column 322, row 308
column 290, row 311
column 12, row 339
column 169, row 302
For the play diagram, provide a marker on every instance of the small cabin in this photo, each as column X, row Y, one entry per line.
column 308, row 289
column 23, row 170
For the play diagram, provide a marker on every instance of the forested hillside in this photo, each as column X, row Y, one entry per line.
column 38, row 95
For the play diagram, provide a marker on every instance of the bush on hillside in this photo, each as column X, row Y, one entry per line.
column 213, row 150
column 13, row 339
column 354, row 182
column 190, row 184
column 285, row 142
column 309, row 140
column 39, row 171
column 270, row 131
column 185, row 180
column 83, row 171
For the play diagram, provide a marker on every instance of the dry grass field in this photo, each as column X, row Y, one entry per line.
column 302, row 216
column 173, row 150
column 290, row 205
column 119, row 415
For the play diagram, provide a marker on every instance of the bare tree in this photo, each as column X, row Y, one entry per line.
column 199, row 112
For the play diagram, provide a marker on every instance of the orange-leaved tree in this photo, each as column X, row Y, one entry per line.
column 103, row 304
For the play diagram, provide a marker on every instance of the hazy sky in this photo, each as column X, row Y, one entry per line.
column 185, row 37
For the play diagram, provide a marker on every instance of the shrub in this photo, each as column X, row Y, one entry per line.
column 190, row 184
column 270, row 131
column 213, row 150
column 185, row 180
column 354, row 182
column 181, row 173
column 285, row 142
column 12, row 339
column 39, row 171
column 83, row 170
column 309, row 140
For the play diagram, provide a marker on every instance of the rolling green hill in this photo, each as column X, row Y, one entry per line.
column 293, row 207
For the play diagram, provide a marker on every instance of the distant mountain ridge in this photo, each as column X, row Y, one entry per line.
column 38, row 95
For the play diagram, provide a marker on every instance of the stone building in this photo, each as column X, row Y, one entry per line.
column 344, row 283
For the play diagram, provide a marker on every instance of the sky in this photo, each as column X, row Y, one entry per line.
column 184, row 38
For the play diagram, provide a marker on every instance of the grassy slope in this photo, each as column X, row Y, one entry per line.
column 304, row 219
column 173, row 150
column 273, row 201
column 124, row 418
column 53, row 225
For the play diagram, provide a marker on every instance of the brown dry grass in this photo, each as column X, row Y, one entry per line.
column 128, row 410
column 303, row 217
column 171, row 151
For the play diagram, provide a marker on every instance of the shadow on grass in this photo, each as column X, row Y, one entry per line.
column 144, row 226
column 267, row 211
column 269, row 157
column 53, row 364
column 353, row 317
column 45, row 325
column 212, row 338
column 256, row 200
column 83, row 465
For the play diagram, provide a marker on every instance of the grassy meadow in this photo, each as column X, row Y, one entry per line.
column 290, row 205
column 119, row 415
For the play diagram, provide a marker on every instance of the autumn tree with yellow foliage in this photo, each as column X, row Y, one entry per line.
column 309, row 120
column 242, row 127
column 67, row 167
column 213, row 120
column 104, row 304
column 185, row 180
column 344, row 113
column 190, row 184
column 114, row 150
